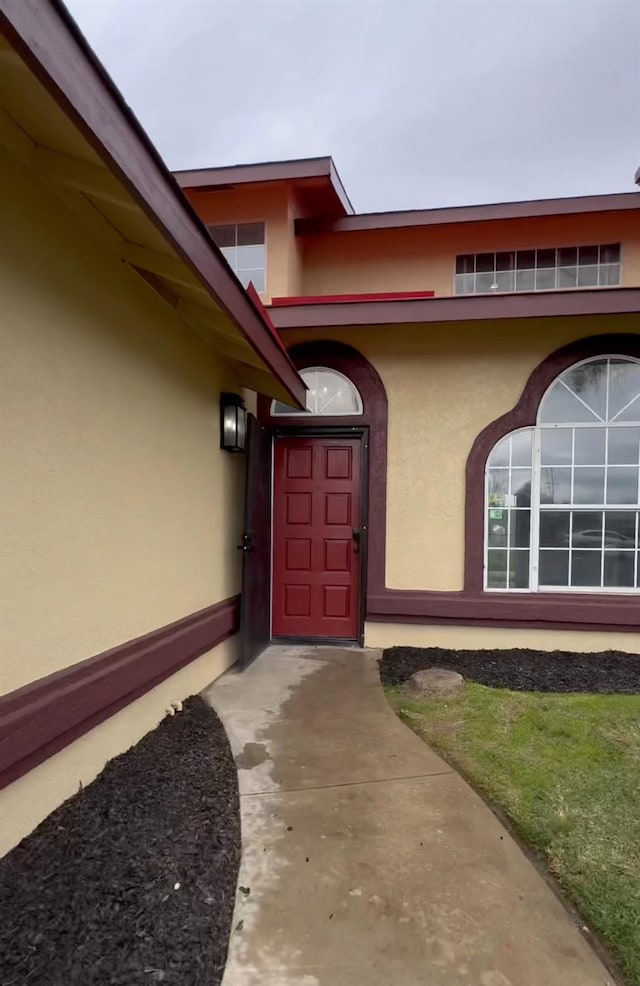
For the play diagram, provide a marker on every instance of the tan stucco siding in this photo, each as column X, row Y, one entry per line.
column 477, row 638
column 32, row 797
column 120, row 513
column 444, row 384
column 423, row 258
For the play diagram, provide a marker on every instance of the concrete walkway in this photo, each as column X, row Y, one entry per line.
column 367, row 860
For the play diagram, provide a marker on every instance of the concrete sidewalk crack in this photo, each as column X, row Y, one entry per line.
column 329, row 787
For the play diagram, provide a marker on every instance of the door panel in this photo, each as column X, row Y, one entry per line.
column 316, row 565
column 255, row 614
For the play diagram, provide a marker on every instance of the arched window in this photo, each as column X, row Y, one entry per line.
column 330, row 393
column 563, row 498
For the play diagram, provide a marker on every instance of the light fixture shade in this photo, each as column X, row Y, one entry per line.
column 233, row 423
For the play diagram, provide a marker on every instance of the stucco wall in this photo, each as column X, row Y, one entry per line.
column 423, row 258
column 32, row 797
column 444, row 383
column 474, row 638
column 120, row 513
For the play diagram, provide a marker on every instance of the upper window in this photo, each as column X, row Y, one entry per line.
column 329, row 393
column 562, row 499
column 538, row 270
column 243, row 247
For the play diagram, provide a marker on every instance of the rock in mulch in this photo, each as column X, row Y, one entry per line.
column 435, row 682
column 132, row 880
column 607, row 672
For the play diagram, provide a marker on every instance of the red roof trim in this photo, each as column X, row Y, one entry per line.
column 460, row 308
column 257, row 300
column 337, row 299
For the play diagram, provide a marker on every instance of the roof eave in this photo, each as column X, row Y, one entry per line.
column 501, row 211
column 55, row 51
column 467, row 308
column 297, row 170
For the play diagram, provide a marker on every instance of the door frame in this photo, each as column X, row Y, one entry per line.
column 330, row 431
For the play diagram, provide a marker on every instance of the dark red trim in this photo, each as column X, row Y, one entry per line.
column 523, row 415
column 43, row 717
column 333, row 299
column 51, row 45
column 529, row 611
column 532, row 208
column 471, row 606
column 461, row 308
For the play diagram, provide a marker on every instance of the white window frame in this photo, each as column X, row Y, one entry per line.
column 535, row 509
column 486, row 587
column 534, row 290
column 246, row 222
column 295, row 413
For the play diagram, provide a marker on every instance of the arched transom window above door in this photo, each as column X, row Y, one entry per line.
column 329, row 393
column 562, row 508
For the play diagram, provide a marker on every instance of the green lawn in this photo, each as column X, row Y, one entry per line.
column 565, row 769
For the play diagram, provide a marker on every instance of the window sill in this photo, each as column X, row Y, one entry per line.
column 568, row 590
column 503, row 294
column 509, row 608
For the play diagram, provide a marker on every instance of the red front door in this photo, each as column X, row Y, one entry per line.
column 316, row 522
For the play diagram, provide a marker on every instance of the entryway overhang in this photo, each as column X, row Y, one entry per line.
column 593, row 304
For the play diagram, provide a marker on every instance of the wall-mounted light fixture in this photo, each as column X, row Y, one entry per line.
column 233, row 423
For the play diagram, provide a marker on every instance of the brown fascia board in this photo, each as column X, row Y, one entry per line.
column 269, row 171
column 466, row 308
column 52, row 46
column 471, row 213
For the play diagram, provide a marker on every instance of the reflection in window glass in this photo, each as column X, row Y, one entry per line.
column 590, row 446
column 519, row 528
column 585, row 568
column 619, row 569
column 554, row 529
column 562, row 405
column 577, row 474
column 556, row 446
column 519, row 570
column 329, row 393
column 497, row 569
column 622, row 484
column 538, row 270
column 588, row 485
column 521, row 448
column 555, row 484
column 243, row 247
column 554, row 567
column 623, row 446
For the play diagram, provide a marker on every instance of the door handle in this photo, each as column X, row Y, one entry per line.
column 357, row 535
column 247, row 544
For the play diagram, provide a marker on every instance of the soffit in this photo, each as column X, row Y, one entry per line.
column 36, row 131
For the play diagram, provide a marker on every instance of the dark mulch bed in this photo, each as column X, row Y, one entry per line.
column 521, row 670
column 89, row 897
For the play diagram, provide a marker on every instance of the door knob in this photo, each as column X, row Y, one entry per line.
column 357, row 534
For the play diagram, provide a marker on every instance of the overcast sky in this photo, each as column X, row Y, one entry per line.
column 420, row 102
